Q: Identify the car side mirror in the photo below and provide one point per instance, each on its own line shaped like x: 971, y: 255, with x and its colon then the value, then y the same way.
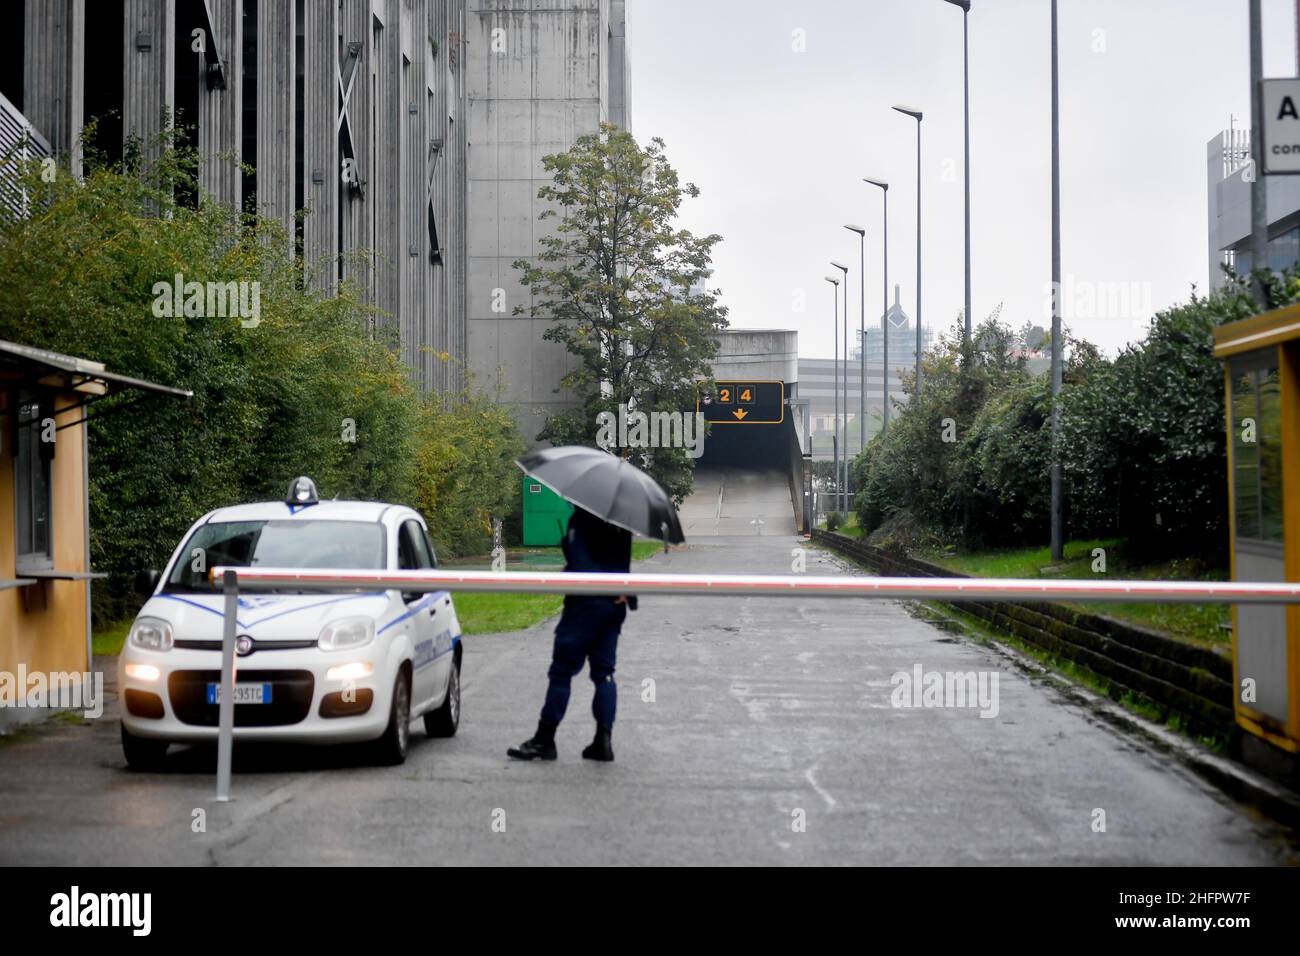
x: 147, y: 581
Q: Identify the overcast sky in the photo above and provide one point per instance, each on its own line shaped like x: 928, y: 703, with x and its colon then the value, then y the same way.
x: 778, y: 141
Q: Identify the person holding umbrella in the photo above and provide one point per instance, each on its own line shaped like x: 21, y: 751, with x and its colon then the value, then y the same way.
x: 611, y: 499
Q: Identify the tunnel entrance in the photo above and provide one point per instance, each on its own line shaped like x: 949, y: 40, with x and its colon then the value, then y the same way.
x: 748, y: 481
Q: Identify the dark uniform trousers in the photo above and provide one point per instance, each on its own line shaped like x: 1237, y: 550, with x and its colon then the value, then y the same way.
x: 587, y: 632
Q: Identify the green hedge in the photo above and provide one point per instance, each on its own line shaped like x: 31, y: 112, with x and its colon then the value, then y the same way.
x: 1142, y: 446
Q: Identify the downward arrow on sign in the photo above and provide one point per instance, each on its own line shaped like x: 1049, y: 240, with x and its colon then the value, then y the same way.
x: 740, y: 413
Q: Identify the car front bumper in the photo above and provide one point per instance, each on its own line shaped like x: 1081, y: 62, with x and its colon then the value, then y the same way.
x: 175, y: 706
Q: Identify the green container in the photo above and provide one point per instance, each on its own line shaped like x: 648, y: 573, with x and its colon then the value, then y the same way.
x: 546, y: 515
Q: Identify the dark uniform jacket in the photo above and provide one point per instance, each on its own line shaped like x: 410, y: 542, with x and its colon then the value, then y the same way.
x: 591, y: 544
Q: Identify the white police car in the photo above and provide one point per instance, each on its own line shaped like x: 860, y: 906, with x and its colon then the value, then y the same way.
x: 310, y: 667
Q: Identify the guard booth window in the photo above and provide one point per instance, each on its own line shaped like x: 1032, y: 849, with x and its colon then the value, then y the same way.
x: 32, y: 487
x: 1257, y: 447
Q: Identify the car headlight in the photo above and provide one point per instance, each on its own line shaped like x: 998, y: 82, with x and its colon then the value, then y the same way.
x: 346, y: 633
x: 151, y: 634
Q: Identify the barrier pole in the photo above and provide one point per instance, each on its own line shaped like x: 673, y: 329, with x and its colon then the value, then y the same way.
x: 757, y: 585
x: 226, y: 715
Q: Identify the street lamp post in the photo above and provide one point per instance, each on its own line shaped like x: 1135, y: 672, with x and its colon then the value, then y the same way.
x: 884, y: 322
x: 916, y: 115
x: 1057, y: 506
x: 965, y: 39
x: 844, y: 458
x: 1258, y: 188
x: 862, y: 333
x: 835, y: 327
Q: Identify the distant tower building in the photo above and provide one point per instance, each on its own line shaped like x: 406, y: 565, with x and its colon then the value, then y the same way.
x: 902, y: 339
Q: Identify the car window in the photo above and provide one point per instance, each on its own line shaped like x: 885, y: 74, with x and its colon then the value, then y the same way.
x: 276, y: 544
x: 414, y: 553
x: 428, y: 543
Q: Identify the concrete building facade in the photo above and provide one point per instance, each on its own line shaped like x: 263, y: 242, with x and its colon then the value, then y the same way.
x: 540, y: 74
x: 817, y: 378
x: 1228, y: 205
x: 351, y: 112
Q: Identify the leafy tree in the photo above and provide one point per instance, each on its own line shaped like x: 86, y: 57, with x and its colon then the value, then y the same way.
x: 625, y: 286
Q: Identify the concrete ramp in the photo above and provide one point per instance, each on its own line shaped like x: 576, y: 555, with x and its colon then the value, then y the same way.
x: 738, y: 501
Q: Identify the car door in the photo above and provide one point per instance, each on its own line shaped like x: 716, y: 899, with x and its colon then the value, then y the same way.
x: 448, y: 624
x: 413, y: 555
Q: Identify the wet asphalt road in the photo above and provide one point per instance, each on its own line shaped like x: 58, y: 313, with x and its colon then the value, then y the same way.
x: 765, y: 713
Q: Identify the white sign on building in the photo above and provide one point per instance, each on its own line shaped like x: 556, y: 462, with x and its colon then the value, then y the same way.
x: 1281, y: 103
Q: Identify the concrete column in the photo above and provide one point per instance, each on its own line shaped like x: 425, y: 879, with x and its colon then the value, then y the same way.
x: 148, y: 70
x: 385, y: 193
x: 322, y: 175
x: 53, y: 74
x: 357, y: 233
x: 276, y: 102
x: 221, y: 113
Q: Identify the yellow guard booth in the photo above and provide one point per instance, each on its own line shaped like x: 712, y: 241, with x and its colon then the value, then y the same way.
x: 1262, y: 382
x: 45, y: 574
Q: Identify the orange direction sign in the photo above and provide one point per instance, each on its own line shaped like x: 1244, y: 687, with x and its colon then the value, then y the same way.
x: 748, y: 402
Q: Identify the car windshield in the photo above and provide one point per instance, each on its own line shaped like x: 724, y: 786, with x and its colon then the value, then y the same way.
x: 277, y: 544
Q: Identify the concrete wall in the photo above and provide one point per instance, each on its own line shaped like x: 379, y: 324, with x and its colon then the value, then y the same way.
x: 817, y: 385
x: 538, y: 73
x: 760, y: 354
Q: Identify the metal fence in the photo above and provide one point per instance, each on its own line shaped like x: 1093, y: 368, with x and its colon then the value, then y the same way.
x: 20, y: 142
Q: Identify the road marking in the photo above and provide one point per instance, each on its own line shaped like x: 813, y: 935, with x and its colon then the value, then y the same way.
x: 831, y: 803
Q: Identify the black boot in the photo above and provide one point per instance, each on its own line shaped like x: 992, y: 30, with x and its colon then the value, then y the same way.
x: 541, y: 746
x: 602, y: 748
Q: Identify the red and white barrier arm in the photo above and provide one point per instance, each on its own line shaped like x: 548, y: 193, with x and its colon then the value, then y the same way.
x: 761, y: 585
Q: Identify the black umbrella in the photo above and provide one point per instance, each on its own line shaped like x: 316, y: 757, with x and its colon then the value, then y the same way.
x: 608, y: 487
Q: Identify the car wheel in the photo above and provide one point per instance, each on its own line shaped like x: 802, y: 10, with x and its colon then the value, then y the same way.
x: 444, y: 721
x: 391, y: 747
x: 143, y: 753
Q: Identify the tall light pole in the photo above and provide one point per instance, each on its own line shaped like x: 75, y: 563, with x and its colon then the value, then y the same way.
x: 844, y: 458
x: 916, y: 115
x: 835, y: 422
x: 1057, y: 508
x: 965, y: 39
x: 862, y: 333
x: 1258, y: 189
x: 884, y: 289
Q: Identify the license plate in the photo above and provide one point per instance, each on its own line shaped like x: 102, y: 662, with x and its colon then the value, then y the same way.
x: 244, y: 693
